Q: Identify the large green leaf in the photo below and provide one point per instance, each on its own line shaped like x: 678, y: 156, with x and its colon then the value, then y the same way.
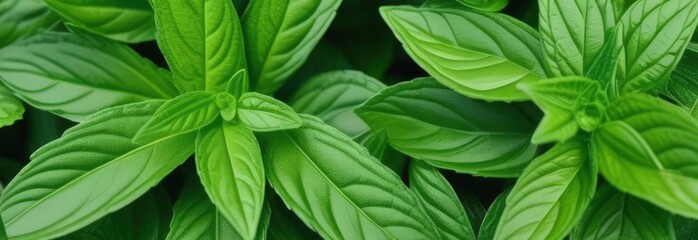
x: 493, y: 216
x: 201, y: 41
x: 616, y: 215
x: 440, y: 201
x: 229, y: 164
x: 75, y: 75
x: 185, y: 113
x: 573, y: 33
x: 683, y: 82
x: 263, y: 113
x: 551, y: 194
x: 92, y: 170
x: 480, y: 55
x: 430, y: 122
x: 125, y: 20
x: 19, y: 18
x: 649, y: 150
x: 335, y: 186
x: 652, y: 36
x: 146, y: 218
x: 11, y: 108
x: 279, y: 36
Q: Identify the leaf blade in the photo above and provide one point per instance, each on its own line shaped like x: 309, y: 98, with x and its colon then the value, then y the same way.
x: 185, y: 113
x: 263, y: 113
x: 19, y: 18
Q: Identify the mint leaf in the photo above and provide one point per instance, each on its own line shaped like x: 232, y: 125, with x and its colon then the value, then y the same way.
x: 493, y: 216
x: 201, y: 41
x: 440, y: 201
x: 91, y: 171
x: 430, y: 122
x: 279, y: 36
x: 19, y: 18
x: 195, y: 217
x: 227, y: 104
x: 75, y: 75
x: 239, y: 83
x: 652, y: 36
x: 682, y: 86
x: 185, y: 113
x: 616, y: 215
x: 333, y: 200
x: 480, y: 55
x: 551, y: 194
x: 648, y: 150
x: 573, y: 33
x: 229, y: 164
x: 125, y: 20
x: 262, y: 113
x: 11, y: 108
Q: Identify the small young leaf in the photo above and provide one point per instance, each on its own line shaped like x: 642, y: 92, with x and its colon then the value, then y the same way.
x: 228, y: 105
x: 551, y: 194
x: 652, y: 36
x: 279, y: 36
x: 335, y: 186
x: 262, y: 113
x: 648, y: 149
x: 480, y: 55
x: 440, y: 201
x: 430, y: 122
x: 493, y: 216
x: 573, y: 33
x: 239, y: 83
x: 616, y: 215
x: 183, y: 114
x: 683, y: 84
x: 229, y: 164
x: 11, y: 108
x: 91, y: 171
x: 201, y: 41
x: 75, y: 75
x: 124, y: 20
x: 195, y: 217
x: 19, y: 18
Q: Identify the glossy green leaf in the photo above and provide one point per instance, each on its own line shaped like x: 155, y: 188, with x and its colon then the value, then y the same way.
x: 480, y: 55
x: 201, y: 41
x: 279, y: 36
x: 685, y: 228
x: 75, y: 75
x: 559, y: 99
x: 485, y: 5
x: 263, y: 113
x: 601, y: 70
x: 19, y: 18
x: 91, y: 171
x: 124, y: 20
x: 493, y: 216
x: 146, y: 218
x: 440, y: 201
x: 309, y: 168
x: 239, y: 83
x: 683, y: 82
x: 649, y: 150
x: 183, y: 114
x: 228, y: 105
x: 616, y: 215
x: 285, y: 225
x: 573, y: 33
x: 229, y: 164
x: 652, y: 36
x: 195, y: 217
x: 430, y: 122
x: 11, y: 108
x: 551, y: 195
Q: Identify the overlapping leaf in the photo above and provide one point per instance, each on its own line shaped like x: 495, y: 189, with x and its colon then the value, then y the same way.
x: 195, y: 217
x: 19, y: 18
x: 493, y: 216
x: 185, y: 113
x: 683, y: 82
x: 263, y: 113
x: 485, y: 5
x: 11, y: 108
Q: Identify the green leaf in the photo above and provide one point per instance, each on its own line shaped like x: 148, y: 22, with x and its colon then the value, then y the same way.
x: 485, y: 5
x: 125, y: 20
x: 11, y: 108
x: 279, y: 36
x: 648, y: 149
x: 559, y: 98
x: 228, y: 106
x: 551, y: 195
x: 75, y: 75
x: 239, y: 83
x: 616, y: 215
x: 473, y: 207
x: 285, y: 225
x: 683, y: 84
x: 201, y: 41
x: 91, y: 171
x: 573, y: 33
x: 229, y: 164
x: 262, y: 113
x: 146, y: 218
x: 428, y: 121
x: 480, y: 55
x: 686, y: 229
x: 183, y: 114
x: 308, y: 167
x: 3, y: 234
x: 440, y: 201
x: 195, y: 217
x: 19, y: 18
x: 652, y: 36
x: 493, y: 216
